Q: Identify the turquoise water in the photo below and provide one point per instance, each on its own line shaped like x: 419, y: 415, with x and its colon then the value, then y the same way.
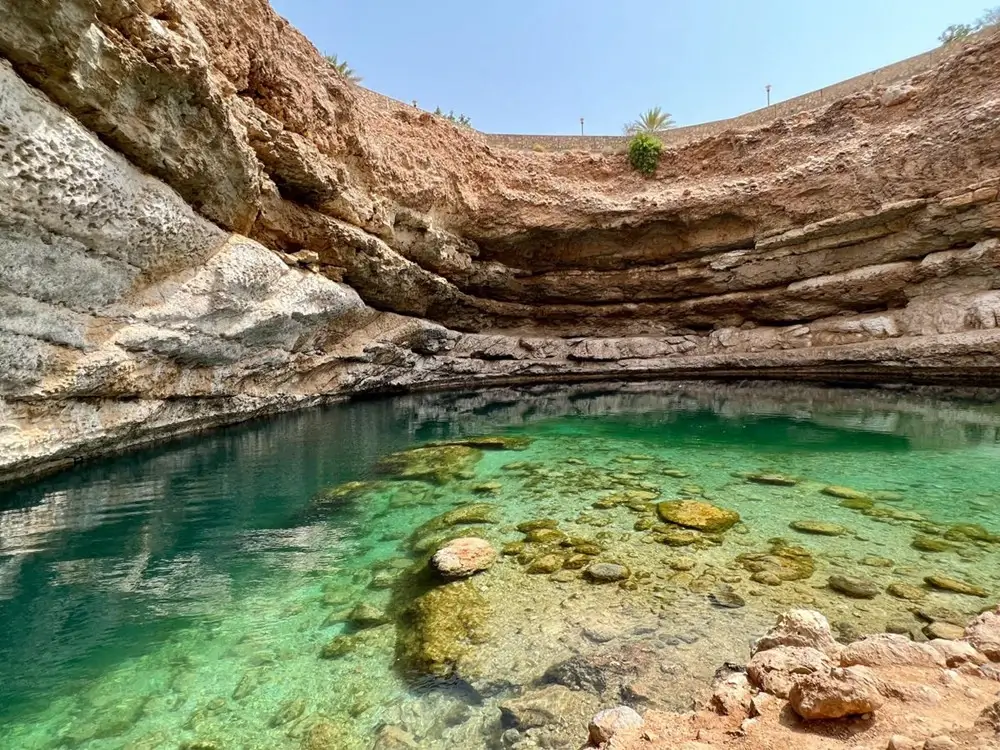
x: 192, y: 595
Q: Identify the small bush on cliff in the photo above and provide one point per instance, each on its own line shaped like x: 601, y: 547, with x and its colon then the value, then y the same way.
x: 644, y: 153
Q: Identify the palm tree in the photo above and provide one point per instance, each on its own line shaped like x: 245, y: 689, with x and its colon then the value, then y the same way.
x: 654, y: 120
x: 343, y: 68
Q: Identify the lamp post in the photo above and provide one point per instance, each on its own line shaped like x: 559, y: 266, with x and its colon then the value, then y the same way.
x: 581, y: 126
x: 767, y: 88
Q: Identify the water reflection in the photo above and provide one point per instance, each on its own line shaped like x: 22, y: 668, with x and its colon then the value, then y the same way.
x: 125, y: 550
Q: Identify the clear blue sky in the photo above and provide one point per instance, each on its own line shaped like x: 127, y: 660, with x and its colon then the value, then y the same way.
x: 537, y: 66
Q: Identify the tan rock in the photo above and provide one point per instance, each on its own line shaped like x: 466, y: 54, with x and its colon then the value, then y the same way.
x: 840, y: 692
x: 610, y: 721
x: 957, y: 652
x: 801, y: 628
x: 902, y: 742
x: 983, y: 633
x: 888, y: 650
x: 732, y: 696
x: 463, y: 557
x: 775, y: 670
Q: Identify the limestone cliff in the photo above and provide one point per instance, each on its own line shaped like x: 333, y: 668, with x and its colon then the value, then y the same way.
x: 200, y: 222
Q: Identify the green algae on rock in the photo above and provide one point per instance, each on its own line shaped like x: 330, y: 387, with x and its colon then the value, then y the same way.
x: 346, y: 492
x: 906, y: 591
x: 541, y: 523
x: 439, y: 628
x: 931, y: 544
x: 438, y: 465
x: 954, y: 585
x: 821, y: 528
x: 698, y: 515
x: 965, y: 532
x: 487, y: 442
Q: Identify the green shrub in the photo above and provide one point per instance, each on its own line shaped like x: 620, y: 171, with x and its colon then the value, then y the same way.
x: 644, y: 153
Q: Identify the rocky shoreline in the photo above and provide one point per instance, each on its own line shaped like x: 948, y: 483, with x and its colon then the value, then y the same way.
x: 803, y: 689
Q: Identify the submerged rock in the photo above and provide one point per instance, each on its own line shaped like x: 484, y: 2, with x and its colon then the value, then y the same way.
x: 438, y: 629
x: 774, y: 480
x: 857, y: 503
x: 346, y: 492
x: 545, y: 536
x: 541, y: 523
x: 906, y: 591
x: 607, y: 572
x: 287, y: 712
x: 549, y: 563
x: 965, y: 532
x: 438, y: 465
x: 338, y: 646
x: 931, y: 544
x: 547, y: 706
x: 487, y: 442
x: 954, y: 585
x: 366, y: 615
x: 697, y: 515
x: 857, y: 588
x: 822, y: 528
x: 845, y: 493
x: 464, y: 556
x: 784, y: 562
x: 725, y: 596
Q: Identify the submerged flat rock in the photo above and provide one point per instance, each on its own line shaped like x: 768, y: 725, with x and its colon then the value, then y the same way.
x: 696, y: 514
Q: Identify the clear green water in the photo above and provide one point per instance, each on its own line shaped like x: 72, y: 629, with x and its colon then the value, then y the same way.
x: 182, y: 596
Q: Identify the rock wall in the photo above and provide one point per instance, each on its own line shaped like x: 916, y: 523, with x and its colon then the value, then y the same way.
x: 201, y: 222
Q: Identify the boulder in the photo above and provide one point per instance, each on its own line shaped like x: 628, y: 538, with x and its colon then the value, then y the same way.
x: 775, y: 670
x: 889, y: 650
x: 943, y: 630
x: 463, y: 557
x: 957, y: 653
x: 983, y: 634
x: 954, y: 585
x: 610, y: 721
x: 440, y: 627
x: 732, y: 696
x: 696, y: 514
x: 801, y: 628
x: 841, y: 692
x: 856, y: 588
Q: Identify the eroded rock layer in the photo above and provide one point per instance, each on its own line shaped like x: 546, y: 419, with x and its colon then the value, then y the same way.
x: 200, y: 222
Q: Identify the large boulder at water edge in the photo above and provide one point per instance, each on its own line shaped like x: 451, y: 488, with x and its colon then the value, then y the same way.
x: 803, y: 628
x: 835, y: 694
x: 439, y: 628
x: 698, y: 515
x: 984, y: 634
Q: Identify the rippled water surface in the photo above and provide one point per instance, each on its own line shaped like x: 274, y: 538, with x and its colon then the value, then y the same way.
x: 205, y: 594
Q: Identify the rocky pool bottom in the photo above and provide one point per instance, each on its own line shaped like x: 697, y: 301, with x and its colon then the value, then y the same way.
x: 269, y: 586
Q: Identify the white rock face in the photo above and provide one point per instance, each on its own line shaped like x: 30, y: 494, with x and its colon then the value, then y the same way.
x: 608, y: 722
x: 776, y: 669
x: 889, y: 650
